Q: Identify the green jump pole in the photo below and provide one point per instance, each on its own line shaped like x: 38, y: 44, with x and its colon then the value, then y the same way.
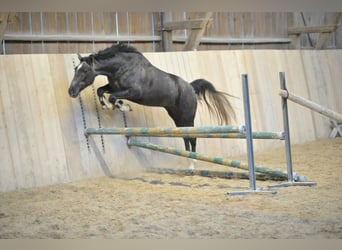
x: 218, y: 160
x: 213, y: 174
x: 159, y: 133
x: 143, y: 131
x: 256, y: 135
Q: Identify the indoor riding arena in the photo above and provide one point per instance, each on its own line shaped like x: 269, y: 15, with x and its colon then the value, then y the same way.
x: 267, y: 180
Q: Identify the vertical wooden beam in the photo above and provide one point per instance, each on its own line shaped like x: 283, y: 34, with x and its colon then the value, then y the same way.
x: 166, y: 34
x: 196, y: 34
x: 3, y: 25
x: 156, y: 20
x: 295, y: 43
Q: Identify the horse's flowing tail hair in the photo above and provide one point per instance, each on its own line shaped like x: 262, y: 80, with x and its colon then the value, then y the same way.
x: 217, y: 101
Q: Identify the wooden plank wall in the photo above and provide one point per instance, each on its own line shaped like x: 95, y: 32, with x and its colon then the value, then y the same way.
x: 82, y: 23
x: 41, y: 127
x: 230, y: 25
x: 301, y: 19
x: 225, y: 25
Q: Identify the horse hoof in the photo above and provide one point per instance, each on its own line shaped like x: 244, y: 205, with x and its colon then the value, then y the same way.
x: 108, y: 107
x: 191, y: 167
x: 192, y: 164
x: 125, y: 108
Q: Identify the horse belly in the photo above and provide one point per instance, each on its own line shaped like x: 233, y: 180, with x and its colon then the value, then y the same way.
x: 159, y: 97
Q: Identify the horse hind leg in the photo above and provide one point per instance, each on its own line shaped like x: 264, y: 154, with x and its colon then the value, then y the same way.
x: 193, y: 149
x: 190, y: 145
x: 193, y: 144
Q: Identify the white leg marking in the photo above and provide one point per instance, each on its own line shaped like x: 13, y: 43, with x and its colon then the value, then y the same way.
x: 192, y: 164
x: 122, y: 106
x: 125, y: 107
x: 108, y: 105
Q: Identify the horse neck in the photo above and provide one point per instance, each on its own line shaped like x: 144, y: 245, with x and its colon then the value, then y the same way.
x: 118, y: 65
x: 105, y: 68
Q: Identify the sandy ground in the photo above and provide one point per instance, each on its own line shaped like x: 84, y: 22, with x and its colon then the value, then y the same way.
x: 169, y: 206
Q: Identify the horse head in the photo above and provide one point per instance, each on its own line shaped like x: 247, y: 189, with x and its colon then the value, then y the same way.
x: 84, y: 76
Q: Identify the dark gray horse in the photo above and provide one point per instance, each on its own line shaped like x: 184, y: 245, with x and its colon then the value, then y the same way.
x: 132, y: 77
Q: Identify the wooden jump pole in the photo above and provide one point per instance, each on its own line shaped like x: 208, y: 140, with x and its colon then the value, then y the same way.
x: 159, y: 132
x: 311, y: 105
x: 213, y: 174
x: 218, y: 160
x: 256, y: 135
x: 167, y: 132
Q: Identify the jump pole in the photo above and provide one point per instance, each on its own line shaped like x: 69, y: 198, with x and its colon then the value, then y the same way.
x: 291, y: 177
x: 273, y: 174
x: 167, y: 132
x: 211, y: 173
x: 311, y: 105
x: 218, y: 132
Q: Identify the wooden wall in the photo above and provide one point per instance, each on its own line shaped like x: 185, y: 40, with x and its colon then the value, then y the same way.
x: 239, y: 29
x: 41, y: 127
x: 308, y: 40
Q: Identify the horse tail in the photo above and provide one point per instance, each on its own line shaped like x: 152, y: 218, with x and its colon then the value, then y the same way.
x: 217, y: 101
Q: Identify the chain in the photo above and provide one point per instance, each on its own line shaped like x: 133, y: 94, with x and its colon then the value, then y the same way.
x: 84, y: 120
x: 124, y: 118
x: 125, y: 122
x: 98, y: 117
x: 82, y: 112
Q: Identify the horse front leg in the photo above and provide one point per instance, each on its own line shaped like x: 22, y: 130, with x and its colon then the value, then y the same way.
x: 119, y: 103
x: 100, y: 93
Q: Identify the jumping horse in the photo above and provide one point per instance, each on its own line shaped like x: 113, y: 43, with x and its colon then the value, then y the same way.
x: 132, y: 77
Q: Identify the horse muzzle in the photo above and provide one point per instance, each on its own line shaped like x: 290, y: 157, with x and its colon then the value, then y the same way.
x: 73, y: 92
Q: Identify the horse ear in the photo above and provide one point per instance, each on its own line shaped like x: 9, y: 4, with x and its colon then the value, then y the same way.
x: 79, y: 56
x: 92, y: 60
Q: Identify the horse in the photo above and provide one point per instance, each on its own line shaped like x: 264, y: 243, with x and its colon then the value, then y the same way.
x: 132, y: 77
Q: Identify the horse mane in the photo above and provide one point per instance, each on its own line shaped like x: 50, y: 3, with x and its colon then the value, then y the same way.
x: 113, y: 50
